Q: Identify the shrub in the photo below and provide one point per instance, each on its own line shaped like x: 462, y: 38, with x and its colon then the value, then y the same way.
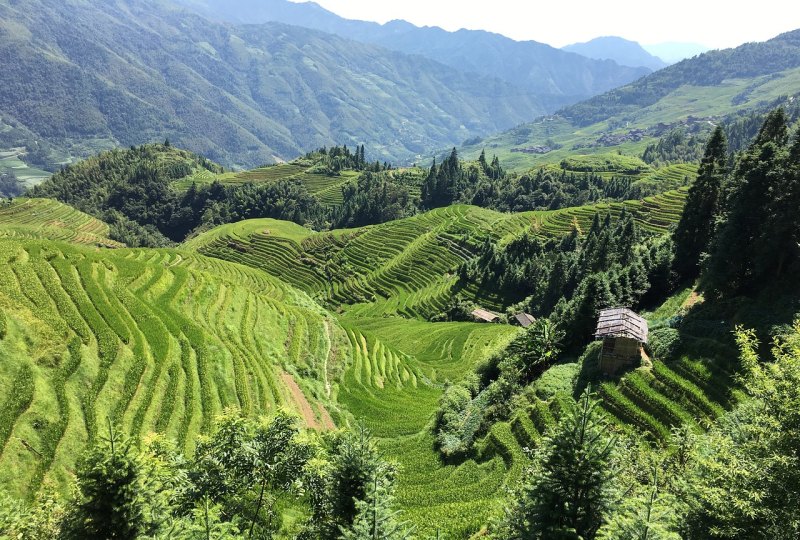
x: 558, y: 379
x: 664, y: 343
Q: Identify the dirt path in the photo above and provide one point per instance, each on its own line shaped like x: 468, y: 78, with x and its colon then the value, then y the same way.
x: 693, y: 299
x: 304, y: 406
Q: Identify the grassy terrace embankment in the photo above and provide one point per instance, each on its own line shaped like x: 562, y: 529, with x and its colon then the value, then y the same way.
x: 403, y: 267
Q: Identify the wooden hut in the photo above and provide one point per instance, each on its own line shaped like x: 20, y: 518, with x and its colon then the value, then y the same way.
x: 525, y: 319
x: 624, y: 334
x: 482, y: 315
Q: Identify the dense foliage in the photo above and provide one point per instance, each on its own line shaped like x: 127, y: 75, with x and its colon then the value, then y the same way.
x: 613, y: 263
x: 696, y: 227
x: 238, y: 483
x: 10, y: 186
x: 132, y: 190
x: 758, y: 238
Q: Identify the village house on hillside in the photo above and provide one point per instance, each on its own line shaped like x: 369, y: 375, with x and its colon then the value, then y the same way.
x: 624, y: 334
x: 482, y: 315
x: 525, y: 319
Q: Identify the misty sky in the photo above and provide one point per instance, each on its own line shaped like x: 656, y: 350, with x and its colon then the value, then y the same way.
x: 713, y: 23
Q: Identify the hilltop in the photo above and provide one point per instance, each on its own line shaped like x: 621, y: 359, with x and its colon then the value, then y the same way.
x: 683, y: 101
x: 78, y: 79
x: 622, y: 51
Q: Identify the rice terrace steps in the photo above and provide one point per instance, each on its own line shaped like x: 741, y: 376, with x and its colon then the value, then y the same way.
x: 163, y: 340
x: 403, y: 267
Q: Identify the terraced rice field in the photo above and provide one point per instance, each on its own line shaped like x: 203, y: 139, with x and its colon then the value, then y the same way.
x: 164, y: 340
x: 393, y: 387
x: 151, y: 340
x: 404, y: 267
x: 45, y: 218
x: 328, y: 189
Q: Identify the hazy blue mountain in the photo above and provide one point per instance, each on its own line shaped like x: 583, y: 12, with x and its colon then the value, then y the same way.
x: 88, y: 74
x: 557, y: 77
x: 674, y: 52
x: 622, y: 51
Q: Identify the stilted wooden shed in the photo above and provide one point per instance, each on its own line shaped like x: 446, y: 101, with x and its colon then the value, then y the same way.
x: 624, y: 334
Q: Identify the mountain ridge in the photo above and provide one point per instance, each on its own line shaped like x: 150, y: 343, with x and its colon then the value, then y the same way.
x: 624, y: 52
x: 103, y: 74
x: 555, y: 76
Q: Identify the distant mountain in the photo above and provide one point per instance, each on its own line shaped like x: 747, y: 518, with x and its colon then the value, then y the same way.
x: 707, y: 70
x: 82, y: 75
x: 622, y: 51
x: 556, y: 77
x: 674, y: 52
x: 673, y: 109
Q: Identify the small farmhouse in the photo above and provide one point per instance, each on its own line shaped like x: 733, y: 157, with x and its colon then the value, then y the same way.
x: 525, y: 319
x: 482, y: 315
x: 624, y: 334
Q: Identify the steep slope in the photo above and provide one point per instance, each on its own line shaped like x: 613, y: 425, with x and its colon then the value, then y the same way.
x: 88, y: 75
x: 693, y: 96
x: 152, y: 341
x: 556, y: 77
x: 622, y: 51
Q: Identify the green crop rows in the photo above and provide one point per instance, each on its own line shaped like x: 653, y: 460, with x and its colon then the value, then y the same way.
x: 152, y: 340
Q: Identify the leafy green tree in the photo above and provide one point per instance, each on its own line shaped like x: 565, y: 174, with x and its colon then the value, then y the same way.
x: 537, y: 348
x: 696, y: 227
x: 746, y: 472
x: 567, y: 492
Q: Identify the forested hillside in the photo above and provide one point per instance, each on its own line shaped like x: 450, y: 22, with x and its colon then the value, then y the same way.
x: 84, y: 76
x: 555, y: 77
x: 732, y: 87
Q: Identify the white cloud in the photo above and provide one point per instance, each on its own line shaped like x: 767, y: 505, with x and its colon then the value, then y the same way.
x: 714, y: 23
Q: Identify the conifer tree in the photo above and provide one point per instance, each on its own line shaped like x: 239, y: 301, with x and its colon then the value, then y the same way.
x: 752, y: 239
x: 696, y: 227
x: 567, y: 492
x: 111, y: 498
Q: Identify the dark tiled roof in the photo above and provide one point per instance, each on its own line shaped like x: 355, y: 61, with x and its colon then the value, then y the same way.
x: 525, y: 320
x: 621, y: 322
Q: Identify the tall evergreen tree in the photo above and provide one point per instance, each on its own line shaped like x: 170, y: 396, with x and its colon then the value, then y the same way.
x: 567, y: 493
x: 696, y: 227
x: 752, y: 239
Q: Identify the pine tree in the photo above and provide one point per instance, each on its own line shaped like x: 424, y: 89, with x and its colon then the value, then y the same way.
x: 111, y: 495
x: 744, y: 250
x: 567, y: 492
x: 376, y: 519
x: 696, y: 227
x: 646, y: 516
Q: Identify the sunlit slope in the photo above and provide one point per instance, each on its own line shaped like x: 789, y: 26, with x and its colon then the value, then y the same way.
x: 150, y: 340
x: 408, y: 266
x: 399, y: 371
x: 46, y: 218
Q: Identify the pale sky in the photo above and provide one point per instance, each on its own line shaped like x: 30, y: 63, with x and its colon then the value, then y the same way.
x: 714, y: 23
